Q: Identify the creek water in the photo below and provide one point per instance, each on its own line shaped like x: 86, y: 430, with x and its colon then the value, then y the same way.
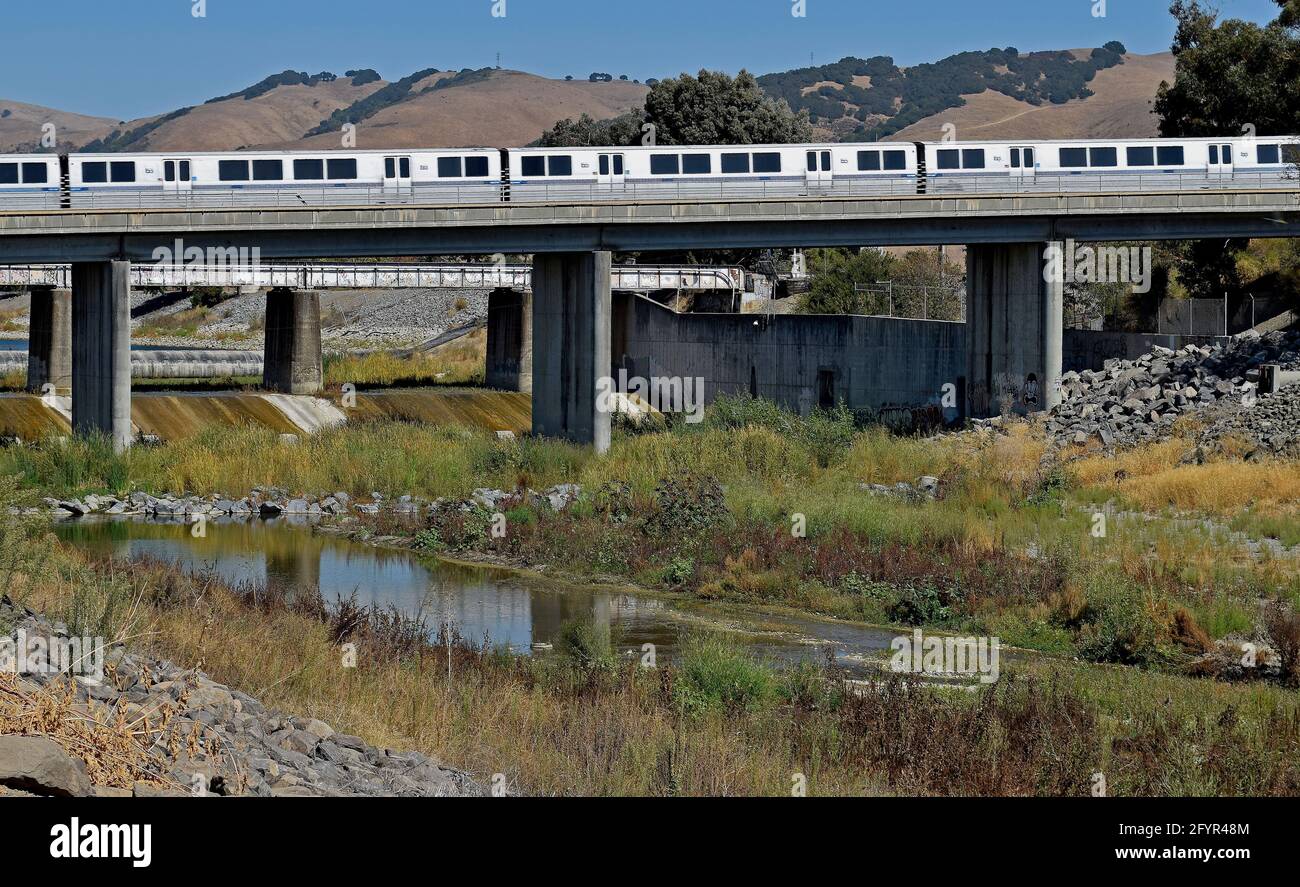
x: 485, y: 604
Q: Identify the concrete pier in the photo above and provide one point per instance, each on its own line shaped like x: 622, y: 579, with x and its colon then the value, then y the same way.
x: 293, y: 348
x: 510, y: 340
x: 101, y: 350
x: 571, y: 346
x: 49, y: 350
x: 1014, y: 330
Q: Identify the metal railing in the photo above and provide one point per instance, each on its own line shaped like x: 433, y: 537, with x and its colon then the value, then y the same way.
x: 636, y: 278
x: 679, y: 191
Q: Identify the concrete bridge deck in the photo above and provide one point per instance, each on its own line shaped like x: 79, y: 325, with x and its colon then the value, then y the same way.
x: 293, y: 232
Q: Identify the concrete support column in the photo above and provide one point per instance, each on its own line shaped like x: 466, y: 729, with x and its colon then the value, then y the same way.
x: 49, y: 345
x: 101, y: 350
x: 1014, y: 330
x: 571, y: 346
x: 510, y: 340
x: 292, y: 363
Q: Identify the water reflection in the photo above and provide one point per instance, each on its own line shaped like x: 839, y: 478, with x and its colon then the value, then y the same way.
x: 484, y: 604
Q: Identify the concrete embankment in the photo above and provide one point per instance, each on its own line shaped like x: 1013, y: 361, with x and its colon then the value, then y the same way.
x: 169, y: 416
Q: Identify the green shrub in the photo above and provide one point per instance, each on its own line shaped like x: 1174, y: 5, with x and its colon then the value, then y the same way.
x: 919, y: 605
x: 716, y: 675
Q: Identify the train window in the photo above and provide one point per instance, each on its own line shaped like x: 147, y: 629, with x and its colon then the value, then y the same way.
x: 342, y: 169
x: 35, y: 173
x: 618, y: 164
x: 735, y: 163
x: 533, y: 166
x: 1266, y: 154
x: 868, y: 161
x: 122, y: 170
x: 1144, y: 156
x: 812, y: 161
x: 1170, y: 155
x: 448, y: 168
x: 767, y: 162
x: 895, y: 160
x: 8, y: 174
x: 1015, y: 158
x: 1074, y: 158
x: 390, y: 167
x: 169, y: 171
x: 1214, y: 154
x: 1226, y: 152
x: 604, y: 164
x: 185, y: 171
x: 1103, y: 157
x: 826, y: 161
x: 559, y: 165
x: 972, y: 158
x: 94, y: 172
x: 404, y: 167
x: 697, y: 164
x: 664, y: 165
x: 309, y: 170
x: 268, y: 170
x: 950, y: 158
x: 232, y: 170
x: 475, y: 167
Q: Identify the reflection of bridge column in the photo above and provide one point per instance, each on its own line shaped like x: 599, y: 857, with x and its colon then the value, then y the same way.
x: 510, y: 340
x: 101, y: 350
x: 292, y: 363
x: 49, y: 346
x: 1014, y: 330
x: 571, y: 333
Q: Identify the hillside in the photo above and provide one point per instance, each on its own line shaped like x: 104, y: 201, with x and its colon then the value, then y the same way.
x: 503, y: 109
x: 20, y: 126
x: 1120, y: 108
x: 995, y: 93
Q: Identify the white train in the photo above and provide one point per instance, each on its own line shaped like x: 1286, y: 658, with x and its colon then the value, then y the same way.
x: 491, y: 175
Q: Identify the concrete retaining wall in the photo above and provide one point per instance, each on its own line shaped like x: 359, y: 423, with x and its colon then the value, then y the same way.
x: 874, y: 364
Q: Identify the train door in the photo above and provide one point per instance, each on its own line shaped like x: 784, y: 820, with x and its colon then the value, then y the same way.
x: 611, y: 172
x: 397, y: 176
x: 819, y: 172
x: 1023, y: 161
x: 1220, y: 162
x: 177, y: 177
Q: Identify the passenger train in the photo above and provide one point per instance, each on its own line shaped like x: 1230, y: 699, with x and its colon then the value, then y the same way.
x: 490, y: 175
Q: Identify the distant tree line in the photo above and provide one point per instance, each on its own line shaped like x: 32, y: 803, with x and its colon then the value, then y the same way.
x: 884, y: 99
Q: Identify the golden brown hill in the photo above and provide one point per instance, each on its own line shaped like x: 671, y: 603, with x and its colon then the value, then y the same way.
x: 283, y: 114
x: 20, y: 128
x: 1120, y: 108
x: 507, y: 109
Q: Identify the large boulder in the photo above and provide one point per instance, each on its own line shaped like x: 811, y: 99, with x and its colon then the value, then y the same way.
x: 38, y: 765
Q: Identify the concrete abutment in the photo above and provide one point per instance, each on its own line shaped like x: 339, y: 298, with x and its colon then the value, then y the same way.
x: 571, y: 346
x: 101, y: 350
x: 1014, y: 330
x: 49, y: 347
x: 293, y: 362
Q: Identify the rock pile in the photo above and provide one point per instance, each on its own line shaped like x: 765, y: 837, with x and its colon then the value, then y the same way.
x: 270, y: 503
x: 149, y: 727
x: 1138, y: 401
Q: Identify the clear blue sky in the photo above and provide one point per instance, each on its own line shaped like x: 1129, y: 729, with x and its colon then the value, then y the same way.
x: 130, y: 58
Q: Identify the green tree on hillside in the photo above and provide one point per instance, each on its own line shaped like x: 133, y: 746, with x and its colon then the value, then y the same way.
x: 711, y: 109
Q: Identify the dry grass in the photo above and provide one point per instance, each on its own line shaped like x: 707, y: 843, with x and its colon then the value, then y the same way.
x: 456, y: 363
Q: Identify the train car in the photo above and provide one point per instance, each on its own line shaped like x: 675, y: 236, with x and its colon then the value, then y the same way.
x: 1107, y: 165
x: 30, y: 181
x: 711, y: 172
x: 296, y: 178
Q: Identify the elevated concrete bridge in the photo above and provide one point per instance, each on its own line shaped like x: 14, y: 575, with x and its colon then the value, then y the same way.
x: 1014, y: 328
